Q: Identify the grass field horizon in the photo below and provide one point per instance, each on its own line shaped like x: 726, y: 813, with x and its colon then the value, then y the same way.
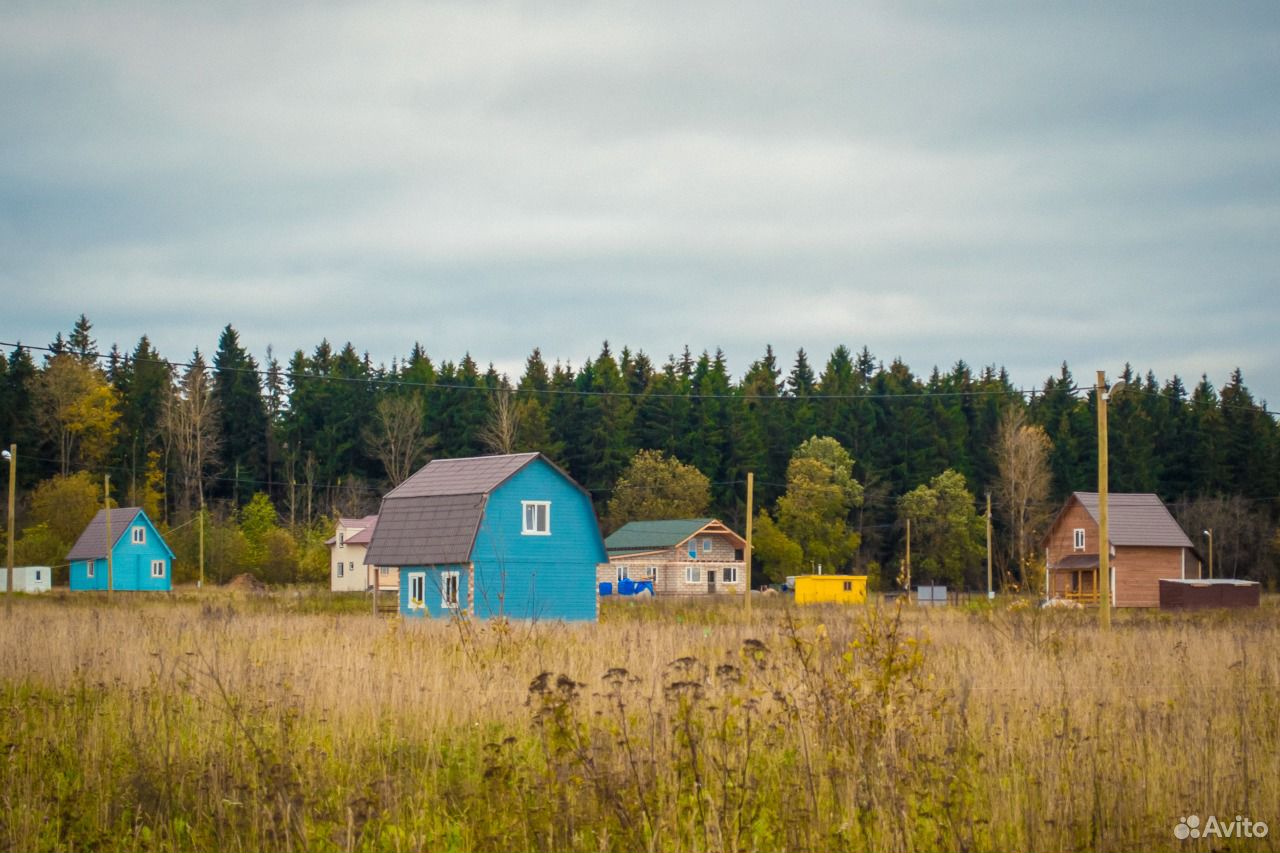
x: 218, y: 721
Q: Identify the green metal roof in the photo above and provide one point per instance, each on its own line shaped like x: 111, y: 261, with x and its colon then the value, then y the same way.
x: 654, y: 535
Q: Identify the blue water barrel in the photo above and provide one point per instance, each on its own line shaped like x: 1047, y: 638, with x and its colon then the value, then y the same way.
x: 606, y: 588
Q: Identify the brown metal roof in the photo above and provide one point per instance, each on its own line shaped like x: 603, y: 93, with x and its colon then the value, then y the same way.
x: 1076, y: 561
x: 1136, y: 519
x: 92, y: 543
x: 426, y: 530
x: 473, y: 475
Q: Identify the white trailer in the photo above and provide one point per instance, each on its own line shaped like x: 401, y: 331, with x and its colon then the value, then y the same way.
x: 27, y: 579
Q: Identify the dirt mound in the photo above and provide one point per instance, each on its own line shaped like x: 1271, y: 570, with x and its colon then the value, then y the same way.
x: 246, y: 583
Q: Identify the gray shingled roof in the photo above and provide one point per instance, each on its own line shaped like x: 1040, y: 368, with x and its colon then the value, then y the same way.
x: 1136, y: 519
x: 426, y: 531
x: 92, y: 543
x: 473, y: 475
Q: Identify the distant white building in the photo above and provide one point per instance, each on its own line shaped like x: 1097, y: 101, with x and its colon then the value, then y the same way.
x: 348, y: 571
x: 27, y: 579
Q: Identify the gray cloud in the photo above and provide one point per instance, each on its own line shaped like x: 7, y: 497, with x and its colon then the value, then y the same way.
x: 1000, y: 184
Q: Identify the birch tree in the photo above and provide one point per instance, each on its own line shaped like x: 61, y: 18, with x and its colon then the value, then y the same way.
x: 189, y: 423
x: 1023, y: 479
x: 396, y: 436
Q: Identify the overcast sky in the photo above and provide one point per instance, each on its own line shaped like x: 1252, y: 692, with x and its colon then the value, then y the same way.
x: 999, y: 183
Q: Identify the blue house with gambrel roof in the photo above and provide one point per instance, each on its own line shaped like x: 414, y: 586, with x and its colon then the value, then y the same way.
x: 140, y: 558
x: 509, y: 535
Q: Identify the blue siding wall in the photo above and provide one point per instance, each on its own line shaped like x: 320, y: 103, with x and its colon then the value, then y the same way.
x: 131, y: 564
x: 538, y: 577
x: 433, y: 587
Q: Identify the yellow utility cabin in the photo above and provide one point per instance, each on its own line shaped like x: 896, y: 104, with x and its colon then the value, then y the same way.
x: 831, y: 589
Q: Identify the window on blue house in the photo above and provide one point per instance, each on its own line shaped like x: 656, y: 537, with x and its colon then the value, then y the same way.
x: 417, y: 591
x: 448, y: 589
x: 88, y: 568
x: 537, y: 518
x: 157, y: 568
x: 139, y: 536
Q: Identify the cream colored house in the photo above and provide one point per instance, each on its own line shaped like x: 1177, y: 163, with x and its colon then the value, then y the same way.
x: 696, y: 556
x: 348, y: 571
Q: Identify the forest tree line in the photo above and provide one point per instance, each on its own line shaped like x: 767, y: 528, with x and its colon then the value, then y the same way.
x: 271, y: 452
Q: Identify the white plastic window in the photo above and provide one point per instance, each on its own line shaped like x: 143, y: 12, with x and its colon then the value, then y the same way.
x: 537, y: 518
x: 157, y: 568
x: 730, y: 574
x: 1079, y: 538
x: 139, y: 536
x: 89, y: 567
x: 692, y: 574
x: 417, y: 591
x: 448, y: 589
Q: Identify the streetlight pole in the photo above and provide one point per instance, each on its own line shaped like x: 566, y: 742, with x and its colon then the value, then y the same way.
x: 12, y: 455
x: 1208, y: 532
x: 1104, y: 574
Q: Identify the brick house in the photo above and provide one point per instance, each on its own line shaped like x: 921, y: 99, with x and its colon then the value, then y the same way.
x: 1146, y: 545
x: 696, y: 556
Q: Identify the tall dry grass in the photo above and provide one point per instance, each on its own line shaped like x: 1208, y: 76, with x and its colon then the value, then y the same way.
x: 244, y: 724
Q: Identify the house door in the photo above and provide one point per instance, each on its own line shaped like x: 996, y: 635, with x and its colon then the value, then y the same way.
x: 711, y: 580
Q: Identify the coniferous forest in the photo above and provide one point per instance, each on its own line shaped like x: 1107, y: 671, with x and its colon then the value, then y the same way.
x: 274, y: 449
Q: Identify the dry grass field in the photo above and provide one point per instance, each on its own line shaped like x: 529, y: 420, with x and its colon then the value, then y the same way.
x: 265, y: 723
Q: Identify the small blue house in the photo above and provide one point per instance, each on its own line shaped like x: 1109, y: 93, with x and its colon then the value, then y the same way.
x: 140, y: 558
x: 491, y: 536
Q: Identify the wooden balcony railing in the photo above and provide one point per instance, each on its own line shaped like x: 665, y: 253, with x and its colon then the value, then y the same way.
x: 1085, y: 597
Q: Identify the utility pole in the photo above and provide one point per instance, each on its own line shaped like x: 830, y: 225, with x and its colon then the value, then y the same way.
x: 1104, y: 573
x: 908, y: 560
x: 106, y: 500
x: 13, y: 472
x: 200, y: 584
x: 746, y: 554
x: 990, y: 591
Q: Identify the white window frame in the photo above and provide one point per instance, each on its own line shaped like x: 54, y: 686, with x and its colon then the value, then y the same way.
x: 623, y: 572
x: 1077, y: 540
x: 729, y: 574
x: 139, y: 535
x: 534, y: 529
x: 342, y: 539
x: 693, y: 574
x: 340, y: 569
x: 652, y: 572
x: 707, y: 545
x: 160, y: 565
x: 89, y: 567
x: 383, y: 570
x: 448, y: 579
x: 418, y: 584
